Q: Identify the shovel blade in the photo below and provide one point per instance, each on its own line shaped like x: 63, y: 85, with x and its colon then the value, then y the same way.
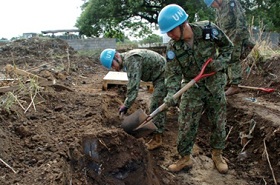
x: 144, y: 130
x: 134, y: 120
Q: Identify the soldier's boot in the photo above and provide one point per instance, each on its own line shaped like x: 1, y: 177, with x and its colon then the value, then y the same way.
x: 184, y: 162
x: 219, y: 162
x: 233, y: 89
x: 155, y: 142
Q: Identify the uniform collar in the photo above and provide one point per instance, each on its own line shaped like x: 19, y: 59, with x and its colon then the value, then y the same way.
x: 197, y: 31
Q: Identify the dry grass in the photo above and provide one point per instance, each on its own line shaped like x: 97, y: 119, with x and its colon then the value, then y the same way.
x: 24, y: 96
x: 262, y: 51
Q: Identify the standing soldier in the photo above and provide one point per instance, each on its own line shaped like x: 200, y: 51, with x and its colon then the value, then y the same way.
x: 145, y: 65
x: 190, y: 46
x: 230, y: 17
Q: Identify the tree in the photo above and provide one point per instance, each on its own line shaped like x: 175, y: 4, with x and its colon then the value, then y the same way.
x: 112, y: 18
x: 263, y: 12
x: 115, y: 18
x: 151, y: 39
x: 4, y: 39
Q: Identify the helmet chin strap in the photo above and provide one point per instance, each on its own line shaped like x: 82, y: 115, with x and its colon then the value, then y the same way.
x: 182, y: 31
x: 119, y: 62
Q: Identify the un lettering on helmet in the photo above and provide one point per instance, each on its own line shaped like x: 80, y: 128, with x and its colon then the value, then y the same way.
x: 109, y: 55
x: 178, y: 15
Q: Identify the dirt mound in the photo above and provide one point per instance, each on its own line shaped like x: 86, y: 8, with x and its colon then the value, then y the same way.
x: 72, y: 135
x: 35, y: 48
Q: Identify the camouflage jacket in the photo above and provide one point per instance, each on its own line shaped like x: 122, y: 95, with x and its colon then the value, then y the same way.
x: 230, y: 17
x: 186, y: 62
x: 141, y: 64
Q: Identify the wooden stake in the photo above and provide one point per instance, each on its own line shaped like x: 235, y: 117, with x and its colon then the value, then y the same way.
x: 228, y: 132
x: 267, y: 157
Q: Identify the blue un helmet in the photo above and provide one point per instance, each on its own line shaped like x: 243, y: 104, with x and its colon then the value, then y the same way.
x: 170, y: 17
x: 106, y: 57
x: 208, y: 2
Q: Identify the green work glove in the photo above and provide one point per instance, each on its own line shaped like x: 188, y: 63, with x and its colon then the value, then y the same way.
x: 170, y: 101
x: 216, y: 66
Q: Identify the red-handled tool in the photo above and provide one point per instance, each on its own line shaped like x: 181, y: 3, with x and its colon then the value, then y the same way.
x: 268, y: 90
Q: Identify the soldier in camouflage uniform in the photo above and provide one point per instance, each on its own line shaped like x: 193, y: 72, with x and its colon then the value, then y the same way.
x: 230, y: 17
x: 145, y: 65
x: 190, y: 46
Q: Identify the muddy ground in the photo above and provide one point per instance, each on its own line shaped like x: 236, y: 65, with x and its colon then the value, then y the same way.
x: 69, y: 132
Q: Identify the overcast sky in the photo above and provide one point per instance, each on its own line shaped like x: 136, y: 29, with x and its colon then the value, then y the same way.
x: 24, y: 16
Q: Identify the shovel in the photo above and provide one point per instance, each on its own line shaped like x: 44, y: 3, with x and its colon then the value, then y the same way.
x: 139, y: 124
x: 268, y: 90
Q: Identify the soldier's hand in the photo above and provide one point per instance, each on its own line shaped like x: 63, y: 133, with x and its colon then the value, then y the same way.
x: 170, y: 101
x: 123, y: 110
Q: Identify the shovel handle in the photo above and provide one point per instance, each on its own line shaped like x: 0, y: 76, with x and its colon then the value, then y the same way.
x: 201, y: 74
x: 269, y: 90
x: 179, y: 93
x: 196, y: 79
x: 183, y: 89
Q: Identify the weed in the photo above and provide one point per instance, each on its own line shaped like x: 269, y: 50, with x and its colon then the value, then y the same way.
x: 261, y: 51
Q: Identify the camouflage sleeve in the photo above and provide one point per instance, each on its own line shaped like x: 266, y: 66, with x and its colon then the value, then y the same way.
x: 240, y: 28
x: 241, y: 31
x: 173, y: 74
x: 224, y: 50
x: 134, y: 71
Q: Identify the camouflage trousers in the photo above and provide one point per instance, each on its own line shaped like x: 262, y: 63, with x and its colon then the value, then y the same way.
x: 193, y: 103
x: 158, y: 95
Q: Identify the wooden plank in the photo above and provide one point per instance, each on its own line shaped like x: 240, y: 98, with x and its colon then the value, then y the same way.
x: 120, y: 78
x: 116, y: 76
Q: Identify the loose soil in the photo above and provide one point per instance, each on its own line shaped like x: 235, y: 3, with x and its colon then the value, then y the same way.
x: 70, y: 133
